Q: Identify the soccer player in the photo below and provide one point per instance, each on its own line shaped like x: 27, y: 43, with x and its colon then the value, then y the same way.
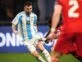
x: 27, y: 29
x: 70, y: 39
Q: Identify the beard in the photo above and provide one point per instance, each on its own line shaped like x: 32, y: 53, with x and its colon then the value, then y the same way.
x: 28, y: 13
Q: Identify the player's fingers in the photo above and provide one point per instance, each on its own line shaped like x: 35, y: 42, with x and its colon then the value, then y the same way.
x: 51, y: 36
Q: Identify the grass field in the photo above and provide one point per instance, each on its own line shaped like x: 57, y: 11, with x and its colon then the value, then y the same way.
x: 26, y: 57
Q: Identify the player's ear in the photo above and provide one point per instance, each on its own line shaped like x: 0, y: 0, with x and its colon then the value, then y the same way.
x: 24, y: 7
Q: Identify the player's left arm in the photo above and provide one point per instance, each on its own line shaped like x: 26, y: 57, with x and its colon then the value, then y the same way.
x: 55, y: 19
x: 35, y: 23
x: 56, y: 16
x: 14, y: 24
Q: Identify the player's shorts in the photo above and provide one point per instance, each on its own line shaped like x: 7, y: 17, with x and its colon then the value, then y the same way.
x: 32, y: 43
x: 70, y: 41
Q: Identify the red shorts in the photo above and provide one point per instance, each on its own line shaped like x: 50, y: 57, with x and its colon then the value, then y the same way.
x: 70, y: 41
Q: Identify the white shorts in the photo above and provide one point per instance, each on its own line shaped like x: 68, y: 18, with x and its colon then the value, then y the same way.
x: 32, y: 43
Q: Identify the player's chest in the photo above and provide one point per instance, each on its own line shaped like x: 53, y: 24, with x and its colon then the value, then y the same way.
x: 29, y: 20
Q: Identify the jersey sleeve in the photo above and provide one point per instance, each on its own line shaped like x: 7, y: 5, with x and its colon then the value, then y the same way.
x: 59, y: 2
x: 16, y: 19
x: 35, y: 20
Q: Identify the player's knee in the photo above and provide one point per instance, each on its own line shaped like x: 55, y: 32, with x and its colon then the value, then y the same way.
x: 40, y: 46
x: 35, y: 53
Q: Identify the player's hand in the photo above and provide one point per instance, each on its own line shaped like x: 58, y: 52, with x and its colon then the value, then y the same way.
x: 15, y: 31
x: 51, y: 36
x: 47, y: 40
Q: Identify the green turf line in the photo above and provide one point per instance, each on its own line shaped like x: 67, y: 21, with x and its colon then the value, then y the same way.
x: 26, y: 57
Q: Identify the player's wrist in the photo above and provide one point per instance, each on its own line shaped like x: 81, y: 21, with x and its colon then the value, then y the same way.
x: 53, y: 29
x: 15, y: 31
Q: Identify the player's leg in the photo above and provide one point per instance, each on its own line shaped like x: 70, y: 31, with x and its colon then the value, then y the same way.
x: 63, y: 46
x: 37, y: 55
x: 54, y: 44
x: 33, y: 51
x: 79, y: 46
x: 55, y: 56
x: 52, y: 49
x: 44, y: 51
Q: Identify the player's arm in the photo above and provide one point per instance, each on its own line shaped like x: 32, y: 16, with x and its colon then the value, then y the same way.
x: 36, y: 28
x: 35, y: 24
x: 55, y: 19
x: 14, y: 29
x: 14, y: 24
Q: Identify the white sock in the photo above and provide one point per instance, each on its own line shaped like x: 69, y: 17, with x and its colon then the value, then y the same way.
x: 41, y: 59
x: 47, y: 55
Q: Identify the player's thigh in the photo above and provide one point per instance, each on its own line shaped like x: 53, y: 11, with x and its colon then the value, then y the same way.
x: 35, y: 39
x: 64, y: 44
x: 54, y: 44
x: 40, y: 45
x: 30, y: 46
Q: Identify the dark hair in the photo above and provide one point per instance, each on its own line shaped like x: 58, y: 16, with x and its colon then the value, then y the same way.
x: 27, y: 3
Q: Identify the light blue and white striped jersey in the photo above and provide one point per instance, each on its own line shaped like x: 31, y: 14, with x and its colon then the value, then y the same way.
x: 26, y: 25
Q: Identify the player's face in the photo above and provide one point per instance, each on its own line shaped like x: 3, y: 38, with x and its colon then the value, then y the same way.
x: 28, y: 9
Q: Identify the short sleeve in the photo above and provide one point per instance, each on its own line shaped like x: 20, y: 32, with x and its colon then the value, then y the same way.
x: 16, y: 19
x: 35, y: 19
x: 58, y: 2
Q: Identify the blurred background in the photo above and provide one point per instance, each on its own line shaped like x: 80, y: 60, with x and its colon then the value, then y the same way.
x: 9, y: 8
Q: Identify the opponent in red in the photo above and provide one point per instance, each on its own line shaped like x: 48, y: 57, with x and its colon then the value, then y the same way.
x: 70, y: 39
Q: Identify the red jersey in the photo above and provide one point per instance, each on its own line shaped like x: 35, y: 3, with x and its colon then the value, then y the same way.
x: 71, y: 10
x: 70, y: 38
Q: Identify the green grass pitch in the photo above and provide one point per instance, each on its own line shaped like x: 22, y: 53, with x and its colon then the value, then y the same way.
x: 26, y: 57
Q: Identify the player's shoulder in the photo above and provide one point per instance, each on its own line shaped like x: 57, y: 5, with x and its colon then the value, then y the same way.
x: 61, y: 1
x: 33, y: 14
x: 21, y: 13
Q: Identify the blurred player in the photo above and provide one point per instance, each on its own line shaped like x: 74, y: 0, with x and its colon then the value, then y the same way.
x: 27, y: 29
x: 70, y: 39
